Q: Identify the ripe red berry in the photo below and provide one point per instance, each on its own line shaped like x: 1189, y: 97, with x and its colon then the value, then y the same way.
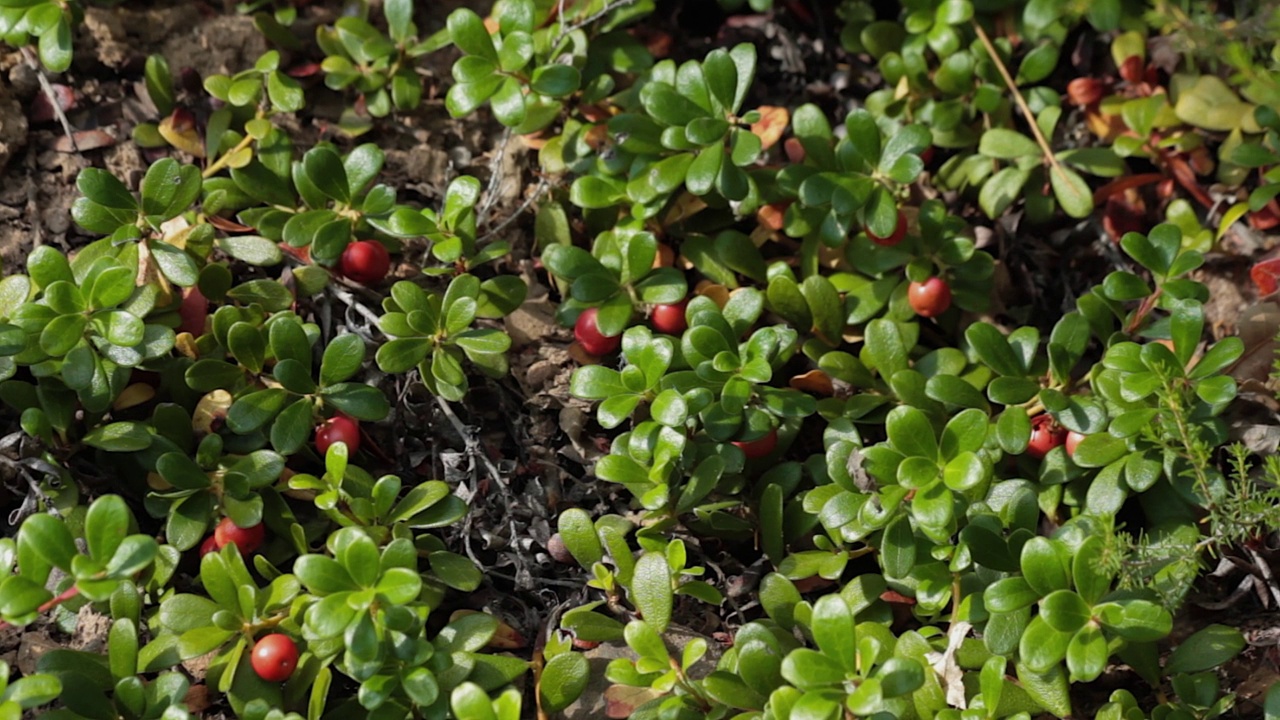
x: 209, y: 545
x: 930, y: 298
x: 758, y: 448
x: 1073, y: 440
x: 246, y: 540
x: 899, y: 232
x: 365, y: 261
x: 274, y: 657
x: 1046, y: 434
x: 193, y: 311
x: 588, y: 335
x: 670, y: 319
x: 338, y: 428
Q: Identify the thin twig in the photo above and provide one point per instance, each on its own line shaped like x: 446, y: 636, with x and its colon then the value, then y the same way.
x: 1265, y: 569
x: 63, y: 597
x: 536, y: 196
x: 1017, y: 95
x: 30, y: 57
x: 495, y: 177
x: 1054, y: 165
x: 473, y: 445
x: 566, y: 29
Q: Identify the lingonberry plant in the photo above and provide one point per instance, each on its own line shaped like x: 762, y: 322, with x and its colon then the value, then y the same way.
x: 843, y: 463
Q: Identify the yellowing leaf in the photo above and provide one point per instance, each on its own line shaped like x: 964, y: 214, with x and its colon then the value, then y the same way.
x: 134, y: 395
x: 179, y: 130
x: 1210, y: 104
x: 773, y: 122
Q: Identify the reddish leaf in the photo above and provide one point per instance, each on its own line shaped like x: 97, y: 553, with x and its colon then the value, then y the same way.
x: 1119, y: 185
x: 773, y: 122
x: 622, y: 700
x: 1085, y: 90
x: 304, y: 70
x: 1265, y: 275
x: 84, y: 140
x: 42, y: 105
x: 228, y: 225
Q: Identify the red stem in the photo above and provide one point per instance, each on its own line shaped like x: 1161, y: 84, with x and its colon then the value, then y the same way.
x: 63, y: 597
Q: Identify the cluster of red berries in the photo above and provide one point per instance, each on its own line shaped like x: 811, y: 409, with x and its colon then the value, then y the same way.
x: 1047, y: 434
x: 667, y: 319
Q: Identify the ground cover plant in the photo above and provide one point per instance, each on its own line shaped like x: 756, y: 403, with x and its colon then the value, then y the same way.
x: 652, y: 359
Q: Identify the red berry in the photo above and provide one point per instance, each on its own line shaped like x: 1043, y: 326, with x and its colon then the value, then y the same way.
x: 670, y: 319
x: 1073, y: 439
x: 758, y: 448
x: 899, y: 232
x: 926, y: 156
x: 274, y: 657
x: 365, y: 261
x: 193, y: 311
x: 209, y: 545
x: 588, y: 335
x: 930, y: 298
x: 1046, y: 435
x: 338, y: 428
x: 246, y: 540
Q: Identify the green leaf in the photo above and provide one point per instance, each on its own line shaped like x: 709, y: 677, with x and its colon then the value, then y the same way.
x: 578, y: 533
x: 105, y: 526
x: 54, y: 46
x: 1136, y: 620
x: 105, y: 189
x: 324, y: 168
x: 46, y: 265
x: 832, y: 625
x: 292, y: 427
x: 360, y: 401
x: 651, y: 591
x: 1042, y: 646
x: 1072, y: 191
x: 48, y: 538
x: 468, y: 32
x: 1091, y: 577
x: 910, y: 433
x: 252, y: 249
x: 1087, y: 654
x: 1065, y: 611
x: 898, y: 549
x: 555, y: 81
x: 1208, y: 648
x: 563, y: 680
x: 1043, y: 566
x: 284, y: 92
x: 323, y: 575
x: 1001, y: 190
x: 1099, y: 450
x: 169, y: 188
x: 1005, y: 144
x: 119, y: 437
x: 251, y: 412
x: 342, y: 359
